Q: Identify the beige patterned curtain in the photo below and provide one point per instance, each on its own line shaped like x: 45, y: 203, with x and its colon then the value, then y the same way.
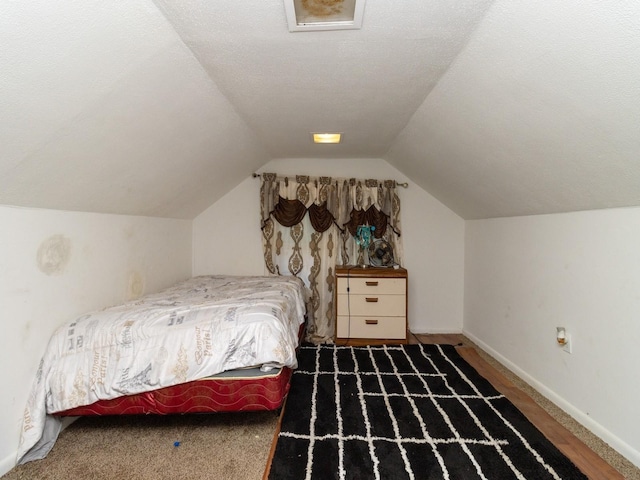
x: 308, y: 227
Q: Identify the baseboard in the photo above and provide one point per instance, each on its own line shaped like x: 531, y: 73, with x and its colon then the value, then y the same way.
x: 439, y: 331
x: 612, y: 440
x: 8, y: 463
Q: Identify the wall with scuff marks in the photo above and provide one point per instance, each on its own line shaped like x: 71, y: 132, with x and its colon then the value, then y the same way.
x: 525, y: 276
x: 56, y: 265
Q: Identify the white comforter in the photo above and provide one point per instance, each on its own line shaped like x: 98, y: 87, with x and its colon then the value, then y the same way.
x: 200, y: 327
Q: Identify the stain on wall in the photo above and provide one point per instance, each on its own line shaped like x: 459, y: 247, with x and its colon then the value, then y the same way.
x: 26, y: 333
x: 54, y: 254
x: 135, y: 288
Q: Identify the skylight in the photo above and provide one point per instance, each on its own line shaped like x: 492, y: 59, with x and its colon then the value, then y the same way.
x: 310, y: 15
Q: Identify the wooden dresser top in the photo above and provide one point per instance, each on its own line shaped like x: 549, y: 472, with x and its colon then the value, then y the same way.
x: 357, y: 271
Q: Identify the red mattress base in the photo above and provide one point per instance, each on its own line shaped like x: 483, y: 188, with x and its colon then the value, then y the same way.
x: 207, y: 395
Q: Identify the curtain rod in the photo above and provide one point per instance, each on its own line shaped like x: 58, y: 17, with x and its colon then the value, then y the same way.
x: 403, y: 185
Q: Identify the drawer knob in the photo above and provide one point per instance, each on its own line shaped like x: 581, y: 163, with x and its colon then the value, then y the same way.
x: 371, y: 299
x: 371, y: 322
x: 372, y: 284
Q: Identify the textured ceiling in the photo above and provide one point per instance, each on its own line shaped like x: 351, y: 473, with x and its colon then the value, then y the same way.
x: 159, y: 108
x: 539, y: 114
x: 366, y: 83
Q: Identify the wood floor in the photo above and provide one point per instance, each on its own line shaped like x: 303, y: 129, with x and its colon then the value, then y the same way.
x: 580, y: 454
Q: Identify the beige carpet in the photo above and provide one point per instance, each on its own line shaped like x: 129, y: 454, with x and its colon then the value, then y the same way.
x: 219, y: 446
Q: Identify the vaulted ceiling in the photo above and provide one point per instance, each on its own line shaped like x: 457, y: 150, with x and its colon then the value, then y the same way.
x: 495, y: 107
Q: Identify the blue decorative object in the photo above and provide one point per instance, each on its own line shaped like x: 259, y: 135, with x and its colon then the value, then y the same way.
x: 363, y: 237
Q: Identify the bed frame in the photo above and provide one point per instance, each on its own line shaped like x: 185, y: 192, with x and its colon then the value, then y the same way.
x: 249, y: 390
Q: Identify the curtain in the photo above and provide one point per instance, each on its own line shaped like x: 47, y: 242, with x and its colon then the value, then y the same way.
x: 308, y: 227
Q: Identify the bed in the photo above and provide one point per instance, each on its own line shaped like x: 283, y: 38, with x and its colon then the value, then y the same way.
x: 208, y: 344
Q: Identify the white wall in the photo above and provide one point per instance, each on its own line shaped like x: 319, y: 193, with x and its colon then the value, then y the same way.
x: 226, y: 236
x: 227, y: 239
x: 56, y: 265
x: 526, y: 275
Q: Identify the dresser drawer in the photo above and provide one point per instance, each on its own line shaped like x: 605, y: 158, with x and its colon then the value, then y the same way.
x: 364, y: 285
x: 378, y: 305
x: 372, y: 327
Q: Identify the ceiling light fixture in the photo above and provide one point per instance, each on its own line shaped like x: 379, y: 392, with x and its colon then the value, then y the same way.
x: 309, y: 15
x: 327, y: 137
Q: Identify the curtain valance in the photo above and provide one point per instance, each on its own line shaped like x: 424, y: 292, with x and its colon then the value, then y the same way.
x: 347, y: 203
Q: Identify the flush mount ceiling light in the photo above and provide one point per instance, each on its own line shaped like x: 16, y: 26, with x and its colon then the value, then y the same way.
x: 309, y: 15
x: 326, y: 137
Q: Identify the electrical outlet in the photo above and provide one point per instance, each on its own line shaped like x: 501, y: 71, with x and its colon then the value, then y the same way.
x: 568, y: 346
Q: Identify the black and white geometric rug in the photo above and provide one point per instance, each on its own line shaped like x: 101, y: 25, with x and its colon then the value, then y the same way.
x: 405, y: 412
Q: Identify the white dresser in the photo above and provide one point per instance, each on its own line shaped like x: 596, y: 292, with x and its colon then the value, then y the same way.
x: 371, y: 305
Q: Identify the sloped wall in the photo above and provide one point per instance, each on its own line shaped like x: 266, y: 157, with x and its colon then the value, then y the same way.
x: 227, y: 238
x: 56, y: 265
x: 524, y: 276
